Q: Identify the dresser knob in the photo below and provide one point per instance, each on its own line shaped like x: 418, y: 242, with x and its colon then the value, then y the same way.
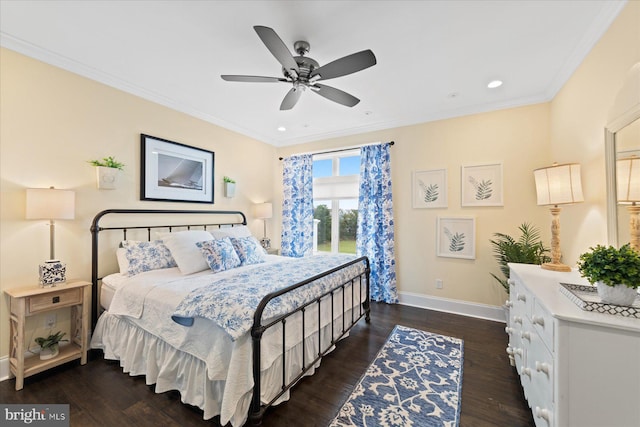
x: 509, y: 351
x: 537, y: 320
x: 517, y: 351
x: 522, y: 297
x: 511, y: 282
x: 542, y: 367
x: 509, y: 330
x: 526, y: 335
x: 542, y: 413
x: 525, y: 371
x: 508, y: 303
x: 517, y: 319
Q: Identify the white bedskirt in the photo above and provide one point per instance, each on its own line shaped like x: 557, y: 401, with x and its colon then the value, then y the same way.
x: 142, y: 353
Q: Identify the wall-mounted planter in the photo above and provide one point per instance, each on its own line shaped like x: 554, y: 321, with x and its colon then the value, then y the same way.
x: 229, y: 189
x: 108, y: 178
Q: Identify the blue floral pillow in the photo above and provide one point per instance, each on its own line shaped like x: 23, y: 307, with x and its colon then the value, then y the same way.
x: 248, y: 249
x: 146, y: 256
x: 219, y: 254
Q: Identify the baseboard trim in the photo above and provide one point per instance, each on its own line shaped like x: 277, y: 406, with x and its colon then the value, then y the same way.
x: 463, y: 308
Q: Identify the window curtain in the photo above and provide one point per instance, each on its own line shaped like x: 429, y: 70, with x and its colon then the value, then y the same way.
x: 375, y: 236
x: 297, y: 206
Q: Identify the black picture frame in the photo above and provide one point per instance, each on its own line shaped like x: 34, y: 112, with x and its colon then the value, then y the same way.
x: 174, y: 172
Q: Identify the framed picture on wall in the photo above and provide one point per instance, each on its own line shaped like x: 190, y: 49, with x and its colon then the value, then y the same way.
x: 482, y: 185
x: 456, y: 237
x: 430, y: 189
x: 175, y: 172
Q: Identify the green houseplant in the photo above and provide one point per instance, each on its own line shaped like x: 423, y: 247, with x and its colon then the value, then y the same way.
x: 107, y: 172
x: 527, y: 249
x: 615, y: 271
x: 229, y: 186
x: 49, y: 345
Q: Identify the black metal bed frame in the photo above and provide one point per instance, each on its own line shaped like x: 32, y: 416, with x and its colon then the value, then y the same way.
x: 257, y: 409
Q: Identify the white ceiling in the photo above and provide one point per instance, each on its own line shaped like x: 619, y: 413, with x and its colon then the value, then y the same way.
x: 435, y: 58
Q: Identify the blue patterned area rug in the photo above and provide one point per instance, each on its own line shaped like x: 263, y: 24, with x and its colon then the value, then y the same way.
x: 415, y: 380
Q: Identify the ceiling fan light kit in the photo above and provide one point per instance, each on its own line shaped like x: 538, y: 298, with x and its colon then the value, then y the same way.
x: 304, y: 72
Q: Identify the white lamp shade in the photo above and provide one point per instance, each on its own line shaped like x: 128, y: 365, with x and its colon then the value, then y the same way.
x: 558, y: 184
x: 263, y: 210
x: 628, y: 179
x: 49, y: 203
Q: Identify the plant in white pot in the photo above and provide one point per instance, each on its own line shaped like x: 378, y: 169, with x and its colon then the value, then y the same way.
x: 615, y: 271
x: 107, y: 172
x: 229, y: 186
x: 49, y: 346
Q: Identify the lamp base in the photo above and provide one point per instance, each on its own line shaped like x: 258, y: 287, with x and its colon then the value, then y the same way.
x: 52, y: 272
x: 266, y: 243
x: 556, y: 266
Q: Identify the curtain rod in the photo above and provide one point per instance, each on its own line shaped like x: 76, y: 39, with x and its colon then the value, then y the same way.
x: 340, y: 149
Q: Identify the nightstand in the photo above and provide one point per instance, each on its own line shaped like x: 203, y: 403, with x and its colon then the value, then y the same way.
x: 25, y: 302
x: 273, y: 251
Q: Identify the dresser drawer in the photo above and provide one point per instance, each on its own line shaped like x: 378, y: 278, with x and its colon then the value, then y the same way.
x: 51, y: 300
x: 544, y: 325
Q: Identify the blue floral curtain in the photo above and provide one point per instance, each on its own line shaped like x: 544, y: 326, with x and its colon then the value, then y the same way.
x: 375, y: 237
x: 297, y: 206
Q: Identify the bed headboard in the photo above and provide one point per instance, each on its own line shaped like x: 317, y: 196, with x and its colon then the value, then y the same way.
x: 141, y: 220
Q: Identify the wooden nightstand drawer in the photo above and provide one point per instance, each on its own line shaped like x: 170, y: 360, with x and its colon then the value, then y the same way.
x: 61, y: 298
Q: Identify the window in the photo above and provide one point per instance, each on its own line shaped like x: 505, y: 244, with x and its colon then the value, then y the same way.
x: 335, y: 201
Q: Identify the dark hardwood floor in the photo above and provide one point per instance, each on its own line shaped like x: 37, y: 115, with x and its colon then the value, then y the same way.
x: 99, y: 394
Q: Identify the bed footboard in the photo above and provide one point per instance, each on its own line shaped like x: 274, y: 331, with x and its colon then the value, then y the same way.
x: 349, y: 317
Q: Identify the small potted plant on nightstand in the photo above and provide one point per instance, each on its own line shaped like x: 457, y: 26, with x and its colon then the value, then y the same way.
x: 107, y: 172
x: 229, y: 186
x: 49, y: 346
x: 616, y: 272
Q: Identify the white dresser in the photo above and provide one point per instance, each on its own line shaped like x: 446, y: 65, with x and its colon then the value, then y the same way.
x: 577, y: 368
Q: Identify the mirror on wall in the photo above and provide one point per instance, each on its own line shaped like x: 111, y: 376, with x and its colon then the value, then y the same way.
x: 627, y: 146
x: 622, y: 141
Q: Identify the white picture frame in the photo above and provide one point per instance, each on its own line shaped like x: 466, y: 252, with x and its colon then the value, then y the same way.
x: 456, y: 237
x: 429, y: 189
x: 482, y: 185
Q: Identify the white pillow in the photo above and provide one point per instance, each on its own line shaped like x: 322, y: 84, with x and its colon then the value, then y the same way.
x: 236, y: 231
x: 123, y: 262
x: 187, y: 255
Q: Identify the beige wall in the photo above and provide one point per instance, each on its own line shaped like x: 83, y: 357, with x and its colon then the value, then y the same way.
x: 579, y: 114
x: 54, y: 121
x: 518, y: 138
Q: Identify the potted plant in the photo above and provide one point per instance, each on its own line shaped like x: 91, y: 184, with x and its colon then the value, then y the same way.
x: 49, y: 346
x: 107, y: 172
x: 528, y: 249
x: 229, y: 186
x: 616, y: 272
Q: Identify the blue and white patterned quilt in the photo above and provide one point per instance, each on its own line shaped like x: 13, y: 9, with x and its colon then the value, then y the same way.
x: 231, y: 303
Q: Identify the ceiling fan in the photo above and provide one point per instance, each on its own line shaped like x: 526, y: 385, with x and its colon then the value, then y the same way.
x: 304, y: 72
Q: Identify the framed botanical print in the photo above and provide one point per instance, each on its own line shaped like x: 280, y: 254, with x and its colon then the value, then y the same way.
x: 482, y: 185
x: 429, y: 189
x: 456, y: 237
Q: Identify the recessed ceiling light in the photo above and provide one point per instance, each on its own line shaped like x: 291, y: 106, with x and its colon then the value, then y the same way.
x: 453, y: 95
x: 368, y: 113
x: 494, y: 84
x: 282, y: 128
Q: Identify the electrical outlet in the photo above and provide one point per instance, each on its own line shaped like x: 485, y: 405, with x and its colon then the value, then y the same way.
x: 438, y: 283
x: 50, y: 320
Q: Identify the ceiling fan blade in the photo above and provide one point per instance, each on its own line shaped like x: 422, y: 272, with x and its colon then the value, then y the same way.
x: 291, y: 99
x: 257, y: 79
x: 335, y: 95
x: 345, y: 65
x: 277, y: 47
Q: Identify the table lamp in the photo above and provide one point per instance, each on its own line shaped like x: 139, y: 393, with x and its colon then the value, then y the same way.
x: 628, y: 183
x: 557, y: 185
x: 51, y: 204
x: 264, y: 211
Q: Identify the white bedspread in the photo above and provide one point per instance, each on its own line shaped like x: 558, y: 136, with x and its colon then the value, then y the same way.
x: 148, y: 300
